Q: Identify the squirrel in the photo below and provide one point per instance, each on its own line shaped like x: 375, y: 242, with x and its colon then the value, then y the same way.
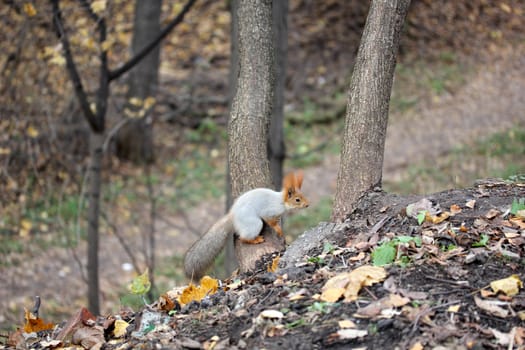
x: 245, y: 219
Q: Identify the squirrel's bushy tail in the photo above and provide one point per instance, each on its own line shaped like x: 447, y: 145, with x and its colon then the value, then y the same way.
x: 203, y: 252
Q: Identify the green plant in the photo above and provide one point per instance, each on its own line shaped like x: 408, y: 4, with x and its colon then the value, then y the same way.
x: 483, y: 240
x: 386, y: 253
x: 517, y: 205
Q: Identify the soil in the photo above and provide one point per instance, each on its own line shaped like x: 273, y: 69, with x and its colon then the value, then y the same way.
x: 441, y: 284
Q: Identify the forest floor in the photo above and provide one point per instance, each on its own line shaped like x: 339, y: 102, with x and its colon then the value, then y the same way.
x: 490, y: 101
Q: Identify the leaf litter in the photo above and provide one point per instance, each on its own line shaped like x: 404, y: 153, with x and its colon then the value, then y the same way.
x: 431, y: 294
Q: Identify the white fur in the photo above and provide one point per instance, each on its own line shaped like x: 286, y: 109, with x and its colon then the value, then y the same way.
x: 253, y: 206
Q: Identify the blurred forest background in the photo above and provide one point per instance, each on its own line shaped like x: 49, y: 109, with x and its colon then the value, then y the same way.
x: 456, y: 115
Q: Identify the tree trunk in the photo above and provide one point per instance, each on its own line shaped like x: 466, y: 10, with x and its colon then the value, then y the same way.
x: 250, y: 116
x: 230, y: 262
x: 94, y: 174
x: 135, y: 138
x: 276, y: 146
x: 367, y: 107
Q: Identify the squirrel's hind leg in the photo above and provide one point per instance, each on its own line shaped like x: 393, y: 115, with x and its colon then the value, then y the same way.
x: 248, y: 228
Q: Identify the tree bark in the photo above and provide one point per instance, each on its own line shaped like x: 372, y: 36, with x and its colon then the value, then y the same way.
x: 135, y: 139
x: 276, y: 146
x: 367, y: 105
x: 94, y: 174
x: 250, y: 116
x: 230, y: 262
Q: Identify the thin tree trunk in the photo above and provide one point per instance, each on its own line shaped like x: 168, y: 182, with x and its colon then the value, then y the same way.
x: 135, y: 138
x: 95, y: 149
x: 367, y: 107
x: 276, y: 146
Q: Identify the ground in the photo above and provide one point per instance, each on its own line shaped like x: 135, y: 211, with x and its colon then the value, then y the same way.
x: 437, y: 294
x: 491, y: 100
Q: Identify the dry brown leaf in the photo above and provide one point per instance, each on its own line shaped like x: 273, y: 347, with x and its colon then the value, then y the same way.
x: 455, y: 209
x: 471, y: 204
x: 492, y: 213
x: 492, y: 307
x: 274, y: 265
x: 35, y: 324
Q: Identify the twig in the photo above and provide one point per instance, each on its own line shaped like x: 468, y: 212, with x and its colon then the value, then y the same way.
x: 427, y: 311
x: 123, y: 243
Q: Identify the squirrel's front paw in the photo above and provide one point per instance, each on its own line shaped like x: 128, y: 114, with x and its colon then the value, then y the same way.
x: 256, y: 240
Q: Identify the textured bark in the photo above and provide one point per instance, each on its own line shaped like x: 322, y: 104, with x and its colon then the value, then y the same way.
x: 367, y: 106
x: 230, y: 262
x: 252, y: 104
x: 135, y: 138
x: 276, y: 146
x: 250, y: 116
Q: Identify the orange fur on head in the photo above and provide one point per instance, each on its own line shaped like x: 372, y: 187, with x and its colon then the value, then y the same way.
x: 293, y: 181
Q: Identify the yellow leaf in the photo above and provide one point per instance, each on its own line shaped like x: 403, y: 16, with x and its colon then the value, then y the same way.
x: 349, y: 283
x: 140, y: 284
x: 5, y: 151
x: 29, y: 9
x: 58, y: 60
x: 25, y: 228
x: 107, y: 44
x: 31, y: 131
x: 207, y: 286
x: 274, y: 265
x: 149, y: 102
x: 346, y: 324
x: 98, y: 6
x: 509, y: 286
x: 120, y: 328
x: 135, y: 101
x: 454, y: 308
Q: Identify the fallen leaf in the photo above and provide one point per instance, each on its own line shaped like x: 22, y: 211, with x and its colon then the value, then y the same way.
x: 120, y: 328
x: 140, y: 284
x: 417, y: 346
x: 349, y: 283
x: 35, y: 324
x: 274, y: 265
x: 346, y: 324
x: 455, y: 209
x: 492, y: 213
x: 207, y: 286
x: 351, y: 333
x: 492, y: 307
x: 454, y: 308
x: 271, y: 314
x: 471, y: 204
x: 509, y: 286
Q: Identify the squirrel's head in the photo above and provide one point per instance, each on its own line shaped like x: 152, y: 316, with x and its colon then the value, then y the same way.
x: 293, y: 197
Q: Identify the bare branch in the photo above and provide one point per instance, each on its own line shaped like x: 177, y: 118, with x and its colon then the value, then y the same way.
x: 136, y: 59
x: 72, y: 68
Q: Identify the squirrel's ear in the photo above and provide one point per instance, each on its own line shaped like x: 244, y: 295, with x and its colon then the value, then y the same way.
x: 289, y: 181
x: 298, y: 179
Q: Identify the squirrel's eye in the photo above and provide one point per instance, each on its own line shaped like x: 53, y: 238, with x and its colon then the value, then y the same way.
x: 298, y: 199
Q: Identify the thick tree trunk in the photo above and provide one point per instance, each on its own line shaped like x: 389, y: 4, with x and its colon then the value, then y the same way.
x: 368, y: 101
x: 135, y: 138
x: 276, y: 147
x: 250, y: 115
x: 94, y: 173
x: 252, y: 104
